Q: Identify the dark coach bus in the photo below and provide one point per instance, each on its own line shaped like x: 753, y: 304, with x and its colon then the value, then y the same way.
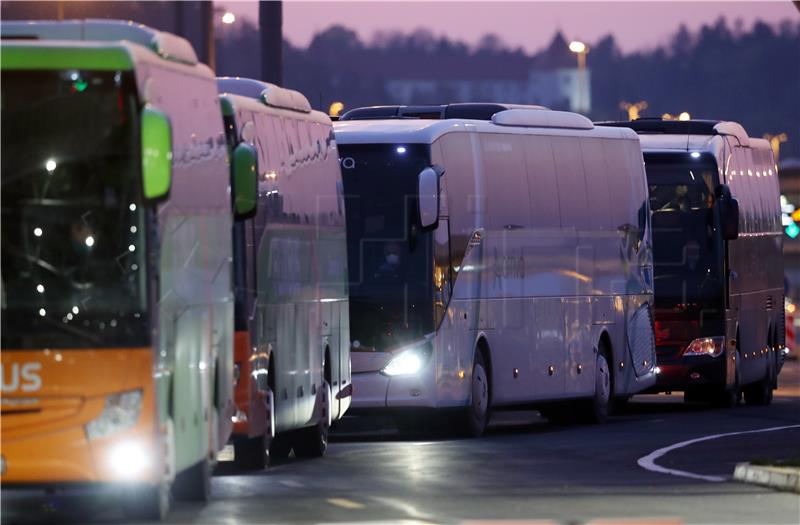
x: 717, y: 257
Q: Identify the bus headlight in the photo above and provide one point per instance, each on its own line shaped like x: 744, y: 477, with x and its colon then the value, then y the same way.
x: 710, y: 346
x: 121, y: 411
x: 129, y: 459
x: 407, y: 362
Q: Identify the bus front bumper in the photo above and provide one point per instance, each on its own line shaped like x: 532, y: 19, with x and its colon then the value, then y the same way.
x: 373, y: 390
x: 67, y: 456
x: 678, y: 373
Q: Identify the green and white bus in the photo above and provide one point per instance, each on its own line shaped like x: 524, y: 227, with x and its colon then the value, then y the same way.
x: 117, y: 286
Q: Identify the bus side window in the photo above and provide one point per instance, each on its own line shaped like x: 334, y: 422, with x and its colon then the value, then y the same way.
x: 574, y: 205
x: 506, y: 181
x: 745, y: 187
x: 542, y: 184
x: 594, y: 168
x: 463, y: 200
x: 262, y: 134
x: 763, y: 189
x: 623, y: 214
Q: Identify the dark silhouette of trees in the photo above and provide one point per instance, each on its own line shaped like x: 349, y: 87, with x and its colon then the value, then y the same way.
x: 738, y: 71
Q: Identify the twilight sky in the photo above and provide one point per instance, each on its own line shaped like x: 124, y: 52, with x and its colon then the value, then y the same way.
x: 529, y: 24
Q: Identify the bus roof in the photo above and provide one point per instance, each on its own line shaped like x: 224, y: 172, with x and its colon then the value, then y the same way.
x: 683, y: 128
x: 267, y: 93
x: 427, y: 131
x: 237, y: 101
x: 681, y: 143
x: 166, y: 45
x: 462, y: 110
x: 37, y: 55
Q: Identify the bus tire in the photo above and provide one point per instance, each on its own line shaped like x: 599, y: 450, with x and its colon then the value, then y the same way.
x: 252, y: 453
x: 147, y: 503
x: 760, y: 392
x: 475, y: 417
x: 194, y: 483
x: 280, y: 448
x: 312, y: 442
x: 728, y: 397
x: 596, y: 410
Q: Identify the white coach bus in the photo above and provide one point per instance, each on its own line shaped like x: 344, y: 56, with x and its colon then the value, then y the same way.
x: 496, y: 264
x: 290, y: 272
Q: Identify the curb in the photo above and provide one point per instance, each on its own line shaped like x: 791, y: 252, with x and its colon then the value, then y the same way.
x: 781, y: 478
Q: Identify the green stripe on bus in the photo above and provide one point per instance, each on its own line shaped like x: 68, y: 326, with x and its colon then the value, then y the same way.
x: 227, y: 106
x: 39, y: 57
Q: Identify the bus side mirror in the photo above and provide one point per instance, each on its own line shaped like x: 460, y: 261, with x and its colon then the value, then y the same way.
x: 244, y: 168
x: 730, y: 219
x: 428, y: 199
x: 728, y: 213
x: 156, y: 142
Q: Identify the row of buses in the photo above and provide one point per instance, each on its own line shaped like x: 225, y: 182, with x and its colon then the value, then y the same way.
x: 190, y: 261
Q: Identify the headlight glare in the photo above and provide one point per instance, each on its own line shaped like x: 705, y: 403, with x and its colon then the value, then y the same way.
x: 121, y: 411
x: 708, y: 346
x: 129, y: 459
x: 407, y: 362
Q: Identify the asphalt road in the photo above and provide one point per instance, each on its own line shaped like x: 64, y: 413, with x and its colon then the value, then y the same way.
x: 527, y: 469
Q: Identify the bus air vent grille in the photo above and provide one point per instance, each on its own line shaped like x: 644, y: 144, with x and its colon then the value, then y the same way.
x: 641, y: 342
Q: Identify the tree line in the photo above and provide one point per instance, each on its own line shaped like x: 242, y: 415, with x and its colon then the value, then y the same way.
x: 720, y: 71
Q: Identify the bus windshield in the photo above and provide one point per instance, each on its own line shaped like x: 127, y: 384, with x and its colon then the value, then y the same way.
x: 73, y: 227
x: 390, y: 260
x: 687, y: 245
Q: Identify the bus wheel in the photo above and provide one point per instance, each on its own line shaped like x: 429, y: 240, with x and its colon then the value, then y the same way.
x: 597, y: 409
x: 312, y: 442
x: 194, y: 483
x: 251, y: 454
x: 759, y: 393
x: 280, y: 448
x: 728, y: 397
x: 254, y: 453
x: 476, y: 416
x: 147, y: 503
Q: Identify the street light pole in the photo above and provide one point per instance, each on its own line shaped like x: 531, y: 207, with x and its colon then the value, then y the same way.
x: 775, y: 142
x: 270, y: 21
x: 581, y: 49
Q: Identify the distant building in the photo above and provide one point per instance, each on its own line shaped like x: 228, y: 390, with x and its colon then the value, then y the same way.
x: 552, y: 80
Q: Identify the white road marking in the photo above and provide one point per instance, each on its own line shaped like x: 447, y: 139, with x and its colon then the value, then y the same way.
x: 648, y: 462
x: 410, y: 510
x: 345, y: 503
x: 291, y: 483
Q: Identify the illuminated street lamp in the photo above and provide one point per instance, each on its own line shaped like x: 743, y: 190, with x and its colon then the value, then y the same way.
x: 685, y: 115
x: 577, y: 47
x: 633, y: 109
x: 581, y: 49
x: 336, y: 109
x: 775, y: 141
x: 228, y: 18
